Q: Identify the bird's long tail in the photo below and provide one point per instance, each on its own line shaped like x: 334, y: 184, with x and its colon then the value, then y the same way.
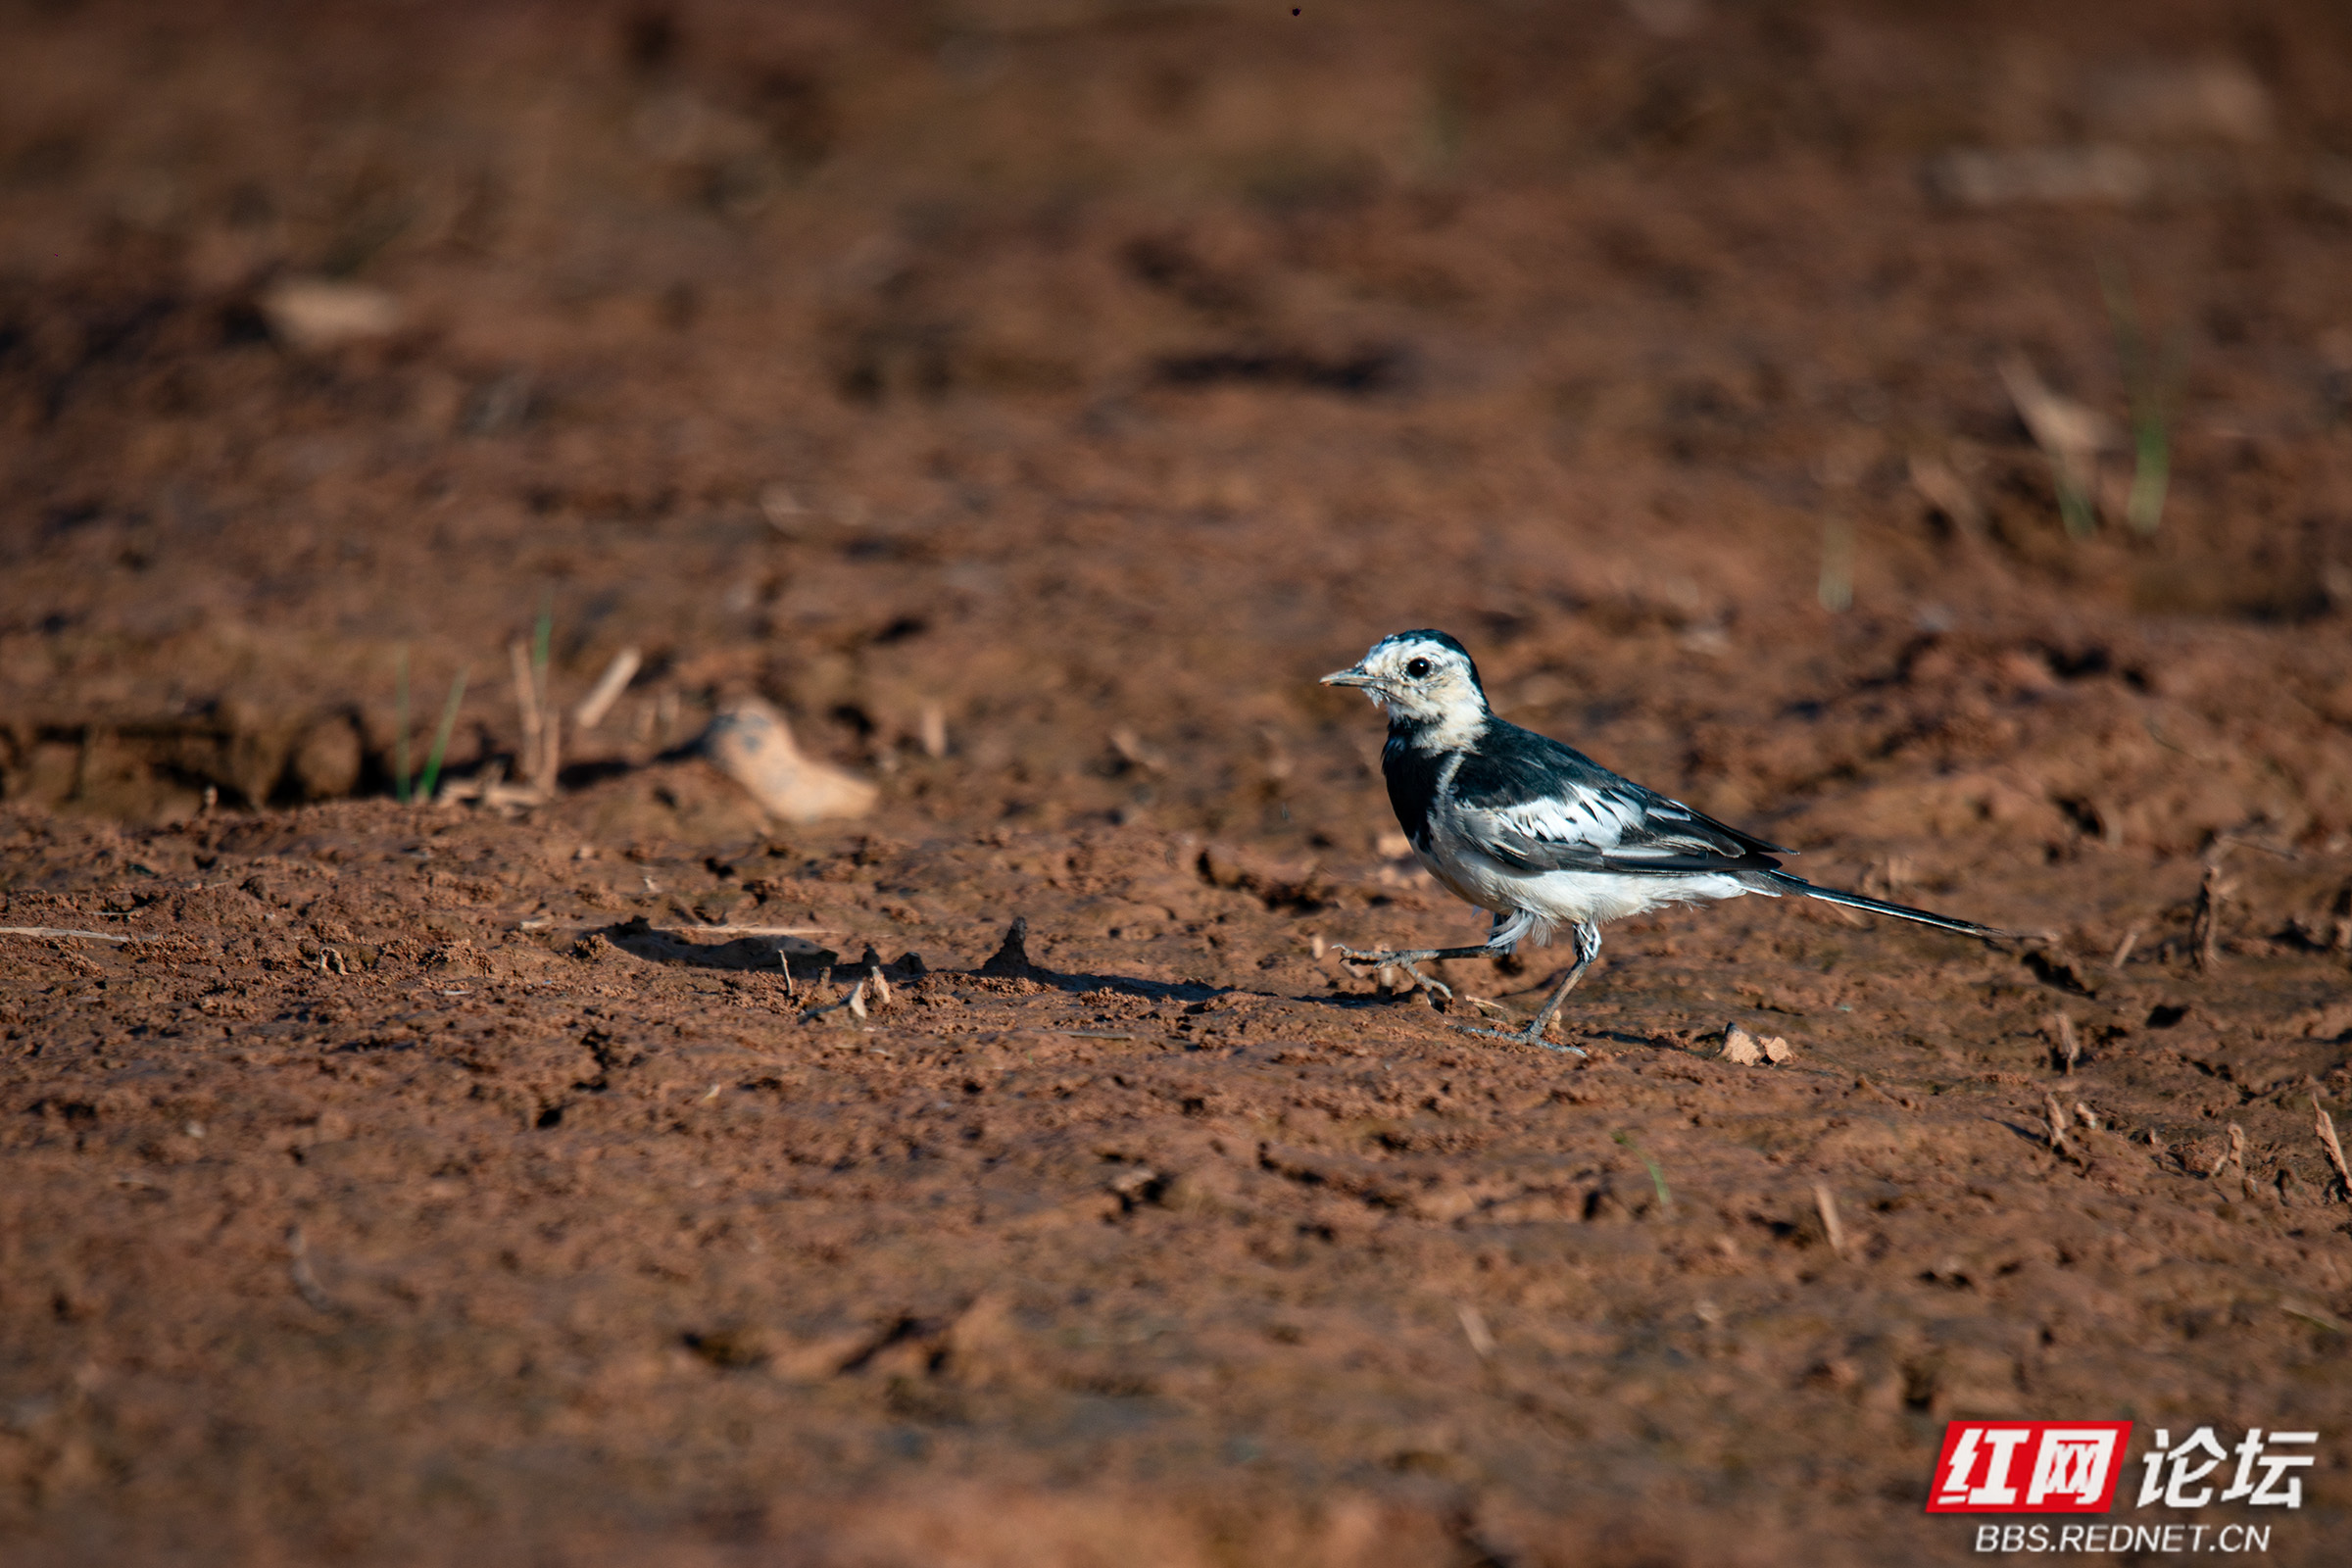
x: 1782, y: 880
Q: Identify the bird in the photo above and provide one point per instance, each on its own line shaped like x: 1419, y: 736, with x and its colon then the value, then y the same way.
x: 1541, y: 836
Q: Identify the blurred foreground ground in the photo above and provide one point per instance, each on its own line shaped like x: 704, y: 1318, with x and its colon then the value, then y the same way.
x: 1031, y: 398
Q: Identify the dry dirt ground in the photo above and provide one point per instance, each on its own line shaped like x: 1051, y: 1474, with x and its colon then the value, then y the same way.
x: 1031, y: 398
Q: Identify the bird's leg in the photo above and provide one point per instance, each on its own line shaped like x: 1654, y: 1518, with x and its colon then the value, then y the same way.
x: 1588, y: 948
x: 1496, y: 945
x: 1386, y: 959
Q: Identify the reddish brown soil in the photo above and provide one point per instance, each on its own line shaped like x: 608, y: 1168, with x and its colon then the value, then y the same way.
x: 1097, y: 375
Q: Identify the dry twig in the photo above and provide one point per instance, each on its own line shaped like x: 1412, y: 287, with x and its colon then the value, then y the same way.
x: 306, y: 1283
x: 63, y: 931
x: 1830, y: 1226
x: 1944, y: 489
x: 853, y: 1002
x: 1135, y: 754
x: 2059, y: 1143
x: 2335, y: 1149
x: 725, y: 929
x: 2206, y: 928
x: 2069, y: 434
x: 542, y: 726
x: 1474, y: 1329
x: 590, y: 711
x: 1896, y: 1100
x: 2313, y: 1315
x: 2069, y: 1044
x: 931, y: 728
x: 2237, y: 1154
x: 526, y: 701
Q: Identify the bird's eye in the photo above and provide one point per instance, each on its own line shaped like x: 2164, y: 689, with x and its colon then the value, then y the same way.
x: 1417, y: 668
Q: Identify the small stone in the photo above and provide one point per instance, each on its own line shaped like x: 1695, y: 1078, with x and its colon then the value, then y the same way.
x: 1752, y: 1050
x: 751, y: 743
x: 317, y: 313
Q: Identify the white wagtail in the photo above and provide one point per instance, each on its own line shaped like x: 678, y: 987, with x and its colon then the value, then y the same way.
x: 1543, y: 836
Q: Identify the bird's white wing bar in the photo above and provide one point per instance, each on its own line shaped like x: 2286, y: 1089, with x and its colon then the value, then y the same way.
x: 1591, y: 817
x: 1602, y: 830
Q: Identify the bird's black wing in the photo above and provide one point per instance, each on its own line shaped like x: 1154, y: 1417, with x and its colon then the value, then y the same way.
x: 1536, y: 804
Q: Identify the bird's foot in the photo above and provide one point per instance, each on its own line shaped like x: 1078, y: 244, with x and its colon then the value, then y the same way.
x: 1439, y: 987
x: 1397, y: 960
x: 1531, y: 1035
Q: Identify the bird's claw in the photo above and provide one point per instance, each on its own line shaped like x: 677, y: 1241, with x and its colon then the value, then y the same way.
x: 1524, y: 1037
x: 1390, y: 960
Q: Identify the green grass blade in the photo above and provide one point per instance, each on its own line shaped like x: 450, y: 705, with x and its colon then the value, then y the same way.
x: 2074, y: 509
x: 2151, y: 478
x: 2130, y: 349
x: 2152, y: 388
x: 1657, y: 1172
x: 543, y: 637
x: 449, y: 723
x: 1835, y: 589
x: 400, y: 725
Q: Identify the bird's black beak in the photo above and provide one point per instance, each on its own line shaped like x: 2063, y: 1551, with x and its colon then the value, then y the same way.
x: 1352, y: 677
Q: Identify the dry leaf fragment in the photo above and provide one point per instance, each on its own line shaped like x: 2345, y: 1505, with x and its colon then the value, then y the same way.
x: 1830, y: 1226
x: 2060, y: 1144
x: 1944, y: 490
x: 2059, y: 176
x: 2234, y: 1156
x: 1475, y: 1329
x: 2071, y: 433
x: 2333, y: 1150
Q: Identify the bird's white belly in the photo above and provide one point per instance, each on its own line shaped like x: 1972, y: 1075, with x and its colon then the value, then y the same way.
x: 1565, y: 898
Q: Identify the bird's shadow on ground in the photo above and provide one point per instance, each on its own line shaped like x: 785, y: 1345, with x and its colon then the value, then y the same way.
x: 769, y: 953
x: 763, y: 954
x: 1079, y: 983
x: 766, y: 954
x: 1455, y: 1015
x: 1086, y: 982
x: 2038, y: 1135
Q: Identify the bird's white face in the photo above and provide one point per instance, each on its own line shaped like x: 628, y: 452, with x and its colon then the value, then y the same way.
x: 1422, y: 682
